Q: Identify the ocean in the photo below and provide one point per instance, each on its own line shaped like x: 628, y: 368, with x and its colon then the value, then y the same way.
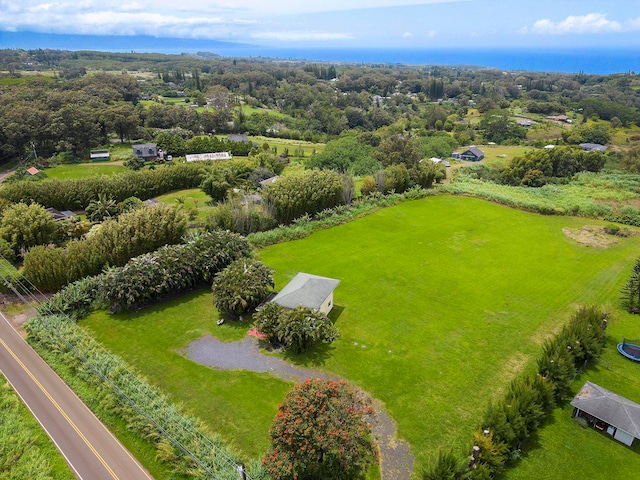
x: 565, y: 60
x: 593, y: 61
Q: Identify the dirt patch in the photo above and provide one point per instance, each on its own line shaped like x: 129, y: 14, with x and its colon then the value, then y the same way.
x: 396, y: 459
x: 591, y: 236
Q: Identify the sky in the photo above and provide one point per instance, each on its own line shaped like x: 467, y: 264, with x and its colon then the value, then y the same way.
x: 342, y: 23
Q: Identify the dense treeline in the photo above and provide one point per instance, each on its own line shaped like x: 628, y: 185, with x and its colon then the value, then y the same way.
x: 113, y: 243
x: 171, y: 269
x: 75, y: 111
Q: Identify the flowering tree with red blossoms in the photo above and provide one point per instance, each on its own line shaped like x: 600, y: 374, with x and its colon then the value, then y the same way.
x: 321, y: 431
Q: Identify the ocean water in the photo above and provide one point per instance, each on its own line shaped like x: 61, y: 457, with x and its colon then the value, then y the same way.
x: 604, y: 61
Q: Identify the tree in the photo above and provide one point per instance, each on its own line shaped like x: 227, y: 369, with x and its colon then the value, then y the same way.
x: 398, y: 149
x: 101, y: 208
x: 496, y: 126
x: 25, y: 226
x: 123, y: 120
x: 345, y: 155
x: 321, y: 431
x: 631, y: 289
x: 242, y: 286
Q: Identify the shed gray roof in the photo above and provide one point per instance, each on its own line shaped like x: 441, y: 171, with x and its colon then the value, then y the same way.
x: 609, y: 407
x: 306, y: 290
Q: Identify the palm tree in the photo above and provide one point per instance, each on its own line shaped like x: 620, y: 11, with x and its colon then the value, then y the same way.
x: 101, y: 208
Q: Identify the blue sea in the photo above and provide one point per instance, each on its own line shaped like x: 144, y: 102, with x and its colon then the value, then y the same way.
x: 565, y: 60
x: 604, y: 61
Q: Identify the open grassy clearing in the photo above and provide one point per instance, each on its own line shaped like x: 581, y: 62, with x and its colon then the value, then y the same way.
x: 447, y: 296
x: 292, y: 145
x: 194, y: 198
x: 442, y: 302
x: 83, y: 170
x: 25, y: 449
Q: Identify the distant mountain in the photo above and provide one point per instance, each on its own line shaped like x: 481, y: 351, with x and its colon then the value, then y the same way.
x: 32, y: 40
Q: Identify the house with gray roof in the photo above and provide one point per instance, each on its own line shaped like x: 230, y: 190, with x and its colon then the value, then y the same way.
x: 593, y: 147
x: 472, y: 154
x: 145, y: 150
x: 307, y: 290
x: 608, y: 412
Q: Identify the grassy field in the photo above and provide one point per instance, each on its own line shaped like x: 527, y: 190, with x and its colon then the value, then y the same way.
x: 239, y: 405
x: 190, y: 196
x: 25, y: 449
x: 442, y: 302
x: 292, y: 145
x: 83, y: 170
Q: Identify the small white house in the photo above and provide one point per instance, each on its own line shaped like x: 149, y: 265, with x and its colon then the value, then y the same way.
x: 306, y: 290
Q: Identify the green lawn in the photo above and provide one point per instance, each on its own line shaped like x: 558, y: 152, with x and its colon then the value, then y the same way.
x: 239, y: 405
x: 83, y: 170
x: 445, y: 300
x: 291, y: 145
x: 190, y: 197
x: 442, y: 302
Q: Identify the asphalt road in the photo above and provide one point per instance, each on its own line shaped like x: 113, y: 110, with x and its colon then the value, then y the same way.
x: 90, y: 449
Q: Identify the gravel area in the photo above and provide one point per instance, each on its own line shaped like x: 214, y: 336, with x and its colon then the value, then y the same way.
x: 395, y: 454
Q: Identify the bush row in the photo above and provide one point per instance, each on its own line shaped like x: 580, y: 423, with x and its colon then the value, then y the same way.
x: 172, y: 269
x: 78, y: 193
x: 68, y: 348
x: 113, y: 243
x: 331, y: 217
x: 529, y: 399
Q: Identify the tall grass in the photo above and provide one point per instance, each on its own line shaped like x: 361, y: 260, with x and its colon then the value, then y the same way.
x: 25, y: 450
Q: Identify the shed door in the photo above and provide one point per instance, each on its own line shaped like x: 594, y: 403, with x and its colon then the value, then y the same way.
x: 623, y: 437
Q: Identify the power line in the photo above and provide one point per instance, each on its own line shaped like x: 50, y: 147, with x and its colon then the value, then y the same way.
x: 28, y: 293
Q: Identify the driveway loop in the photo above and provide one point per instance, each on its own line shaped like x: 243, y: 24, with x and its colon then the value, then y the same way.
x: 396, y: 460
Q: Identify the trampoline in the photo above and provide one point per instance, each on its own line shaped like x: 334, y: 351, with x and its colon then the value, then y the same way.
x: 630, y: 349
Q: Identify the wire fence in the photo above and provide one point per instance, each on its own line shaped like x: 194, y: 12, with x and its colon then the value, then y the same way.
x: 212, y: 458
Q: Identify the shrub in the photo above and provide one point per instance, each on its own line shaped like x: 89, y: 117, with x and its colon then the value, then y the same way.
x: 241, y: 286
x: 297, y: 329
x: 309, y: 192
x: 321, y: 431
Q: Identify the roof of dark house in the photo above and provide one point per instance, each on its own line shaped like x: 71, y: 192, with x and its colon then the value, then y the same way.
x: 306, y: 290
x: 609, y: 407
x: 238, y: 137
x: 475, y: 151
x: 60, y: 215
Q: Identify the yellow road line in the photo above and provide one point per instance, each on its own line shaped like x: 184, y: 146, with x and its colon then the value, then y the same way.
x: 62, y: 412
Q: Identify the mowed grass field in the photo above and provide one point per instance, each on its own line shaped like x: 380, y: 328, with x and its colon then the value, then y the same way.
x: 442, y: 302
x: 83, y: 170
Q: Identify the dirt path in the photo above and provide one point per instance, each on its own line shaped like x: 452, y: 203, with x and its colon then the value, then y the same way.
x: 396, y: 460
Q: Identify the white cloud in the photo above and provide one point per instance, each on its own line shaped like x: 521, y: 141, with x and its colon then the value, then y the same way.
x: 302, y: 36
x: 576, y: 24
x: 407, y: 35
x: 431, y: 34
